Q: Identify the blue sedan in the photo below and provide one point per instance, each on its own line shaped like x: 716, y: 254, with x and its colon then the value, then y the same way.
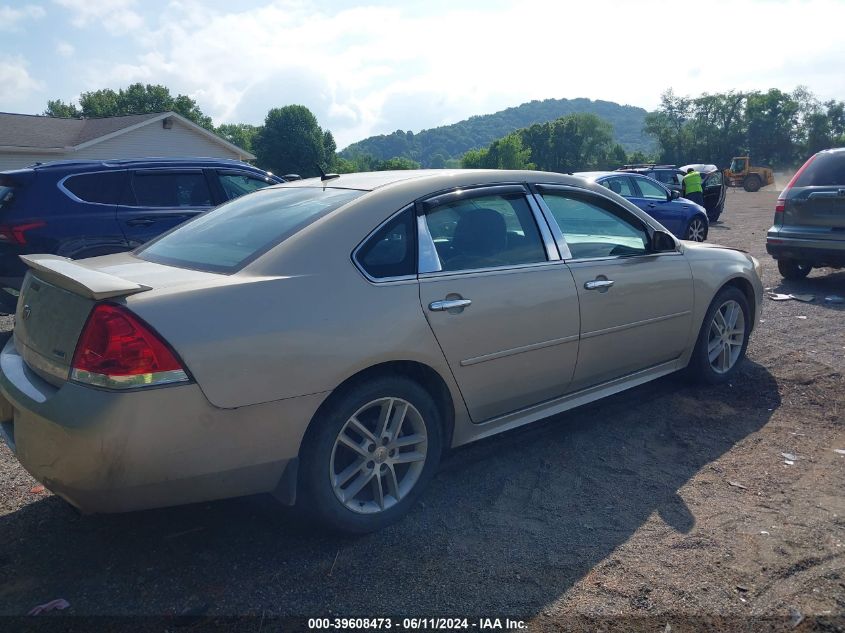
x: 684, y: 218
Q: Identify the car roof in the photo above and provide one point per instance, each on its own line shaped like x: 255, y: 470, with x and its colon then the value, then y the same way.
x: 129, y: 163
x: 595, y: 175
x: 433, y: 179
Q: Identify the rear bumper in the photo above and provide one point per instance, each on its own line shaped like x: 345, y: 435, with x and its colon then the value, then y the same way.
x: 813, y: 252
x: 115, y: 452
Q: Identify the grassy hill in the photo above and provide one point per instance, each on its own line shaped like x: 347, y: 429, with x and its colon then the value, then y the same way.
x: 434, y: 146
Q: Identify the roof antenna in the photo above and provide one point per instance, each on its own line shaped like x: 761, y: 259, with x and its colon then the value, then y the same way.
x: 324, y: 176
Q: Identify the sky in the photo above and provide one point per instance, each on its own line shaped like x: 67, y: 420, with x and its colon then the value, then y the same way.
x: 372, y: 67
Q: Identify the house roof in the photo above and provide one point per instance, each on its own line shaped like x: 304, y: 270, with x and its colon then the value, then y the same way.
x: 39, y: 133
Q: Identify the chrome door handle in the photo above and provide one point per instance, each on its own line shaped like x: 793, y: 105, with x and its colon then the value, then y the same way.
x: 448, y: 304
x: 598, y: 284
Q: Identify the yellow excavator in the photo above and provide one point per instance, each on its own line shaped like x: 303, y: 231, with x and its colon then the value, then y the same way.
x: 742, y: 174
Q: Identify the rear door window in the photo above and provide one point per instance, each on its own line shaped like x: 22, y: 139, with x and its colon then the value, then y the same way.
x: 168, y: 189
x: 103, y: 187
x: 228, y: 237
x: 621, y: 185
x: 825, y: 170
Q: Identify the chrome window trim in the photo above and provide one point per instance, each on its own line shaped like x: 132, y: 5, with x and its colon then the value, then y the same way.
x: 552, y: 247
x: 490, y: 270
x: 63, y: 188
x: 428, y: 260
x: 556, y: 233
x: 360, y: 267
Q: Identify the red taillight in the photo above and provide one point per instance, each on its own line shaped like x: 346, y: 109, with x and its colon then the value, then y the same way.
x: 15, y: 233
x: 118, y: 350
x: 780, y: 205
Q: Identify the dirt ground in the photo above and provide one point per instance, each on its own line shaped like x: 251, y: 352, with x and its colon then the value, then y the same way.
x: 667, y: 504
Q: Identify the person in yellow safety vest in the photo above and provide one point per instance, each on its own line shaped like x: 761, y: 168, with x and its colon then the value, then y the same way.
x: 692, y: 187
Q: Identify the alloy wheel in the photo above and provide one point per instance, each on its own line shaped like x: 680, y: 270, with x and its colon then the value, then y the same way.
x: 696, y: 232
x: 726, y: 337
x: 378, y: 456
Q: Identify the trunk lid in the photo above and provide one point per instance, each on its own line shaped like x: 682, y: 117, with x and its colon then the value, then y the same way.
x: 56, y: 297
x: 58, y: 294
x: 820, y: 207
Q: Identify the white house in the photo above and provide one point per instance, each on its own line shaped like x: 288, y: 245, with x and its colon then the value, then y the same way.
x: 26, y: 139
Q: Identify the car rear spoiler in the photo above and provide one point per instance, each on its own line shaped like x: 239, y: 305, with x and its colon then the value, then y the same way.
x: 80, y: 279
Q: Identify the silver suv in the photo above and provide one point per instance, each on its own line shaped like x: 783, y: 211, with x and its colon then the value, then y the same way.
x: 809, y: 226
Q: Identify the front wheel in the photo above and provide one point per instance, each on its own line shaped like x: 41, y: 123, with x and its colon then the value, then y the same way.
x: 696, y: 230
x: 752, y: 184
x: 793, y: 270
x: 368, y: 456
x: 723, y: 337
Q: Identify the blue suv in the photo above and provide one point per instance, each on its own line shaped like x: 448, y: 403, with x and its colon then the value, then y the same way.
x: 87, y: 208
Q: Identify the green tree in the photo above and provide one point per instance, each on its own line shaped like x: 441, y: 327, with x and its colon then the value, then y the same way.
x: 58, y: 108
x: 329, y: 151
x: 240, y: 134
x: 509, y: 153
x: 292, y: 141
x: 397, y: 162
x: 668, y: 126
x: 135, y: 99
x: 772, y: 122
x: 475, y: 159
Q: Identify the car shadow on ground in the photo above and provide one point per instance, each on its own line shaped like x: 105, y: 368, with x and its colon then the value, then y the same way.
x: 508, y: 526
x: 823, y: 283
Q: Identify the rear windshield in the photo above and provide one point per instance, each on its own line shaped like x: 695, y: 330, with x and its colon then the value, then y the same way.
x: 227, y: 238
x: 824, y: 170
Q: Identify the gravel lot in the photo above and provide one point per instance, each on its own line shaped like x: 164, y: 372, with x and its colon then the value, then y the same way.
x: 667, y: 502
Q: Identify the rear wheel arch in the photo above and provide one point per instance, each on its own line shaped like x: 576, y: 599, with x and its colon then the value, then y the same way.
x: 420, y: 373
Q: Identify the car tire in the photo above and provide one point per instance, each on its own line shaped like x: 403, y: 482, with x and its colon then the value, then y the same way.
x: 368, y: 487
x: 752, y: 184
x: 793, y: 270
x: 696, y: 230
x: 716, y: 355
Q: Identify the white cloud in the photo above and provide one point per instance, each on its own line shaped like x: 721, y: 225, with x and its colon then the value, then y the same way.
x: 10, y: 17
x: 65, y: 49
x: 115, y: 16
x: 373, y: 69
x: 16, y: 84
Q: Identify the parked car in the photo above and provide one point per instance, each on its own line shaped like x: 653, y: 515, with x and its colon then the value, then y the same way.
x: 327, y: 340
x: 684, y: 218
x: 809, y: 225
x: 86, y: 208
x: 713, y: 183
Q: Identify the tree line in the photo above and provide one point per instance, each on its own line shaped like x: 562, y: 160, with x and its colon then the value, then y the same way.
x: 290, y: 140
x: 777, y: 128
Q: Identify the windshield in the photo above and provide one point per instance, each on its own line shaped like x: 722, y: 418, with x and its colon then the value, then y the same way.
x: 227, y: 238
x: 737, y: 165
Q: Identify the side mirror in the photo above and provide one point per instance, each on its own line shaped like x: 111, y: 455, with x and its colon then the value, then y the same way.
x: 662, y: 242
x: 674, y: 194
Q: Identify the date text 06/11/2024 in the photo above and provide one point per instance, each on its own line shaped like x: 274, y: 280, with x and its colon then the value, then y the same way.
x: 417, y: 624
